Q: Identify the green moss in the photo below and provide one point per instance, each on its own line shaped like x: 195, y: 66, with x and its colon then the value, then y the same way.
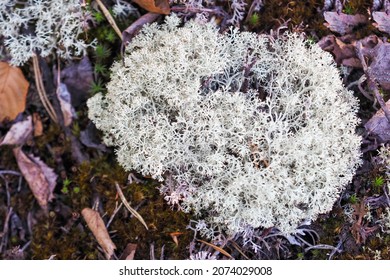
x: 97, y: 179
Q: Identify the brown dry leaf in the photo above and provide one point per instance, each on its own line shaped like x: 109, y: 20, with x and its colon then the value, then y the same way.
x: 343, y: 23
x: 155, y: 6
x: 382, y: 20
x: 13, y: 91
x: 99, y: 230
x: 18, y: 133
x: 38, y: 126
x: 129, y: 252
x: 40, y: 178
x: 67, y: 109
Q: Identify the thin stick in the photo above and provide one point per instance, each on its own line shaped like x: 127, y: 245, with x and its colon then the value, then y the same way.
x: 5, y: 229
x: 127, y: 205
x: 41, y: 90
x: 113, y: 214
x: 109, y: 18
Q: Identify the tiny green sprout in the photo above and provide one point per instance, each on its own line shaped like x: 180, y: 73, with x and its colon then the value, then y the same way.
x: 66, y: 182
x: 100, y: 69
x: 377, y: 183
x: 300, y: 256
x: 102, y: 52
x: 254, y: 19
x: 353, y: 199
x: 65, y: 185
x: 111, y: 36
x: 99, y: 17
x: 76, y: 190
x: 76, y: 129
x: 310, y: 40
x: 96, y: 87
x: 65, y: 190
x: 348, y: 10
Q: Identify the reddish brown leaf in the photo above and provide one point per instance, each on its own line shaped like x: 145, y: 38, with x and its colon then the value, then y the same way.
x: 18, y: 133
x: 99, y: 230
x: 129, y: 252
x: 175, y: 236
x: 343, y: 23
x: 343, y: 53
x: 40, y: 178
x: 155, y: 6
x: 38, y: 127
x: 13, y: 91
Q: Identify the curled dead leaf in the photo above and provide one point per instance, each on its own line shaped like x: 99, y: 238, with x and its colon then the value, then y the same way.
x: 78, y: 78
x: 175, y: 236
x: 99, y: 230
x: 13, y: 91
x: 155, y: 6
x: 344, y: 53
x: 40, y: 178
x: 343, y: 23
x: 18, y: 133
x: 67, y: 109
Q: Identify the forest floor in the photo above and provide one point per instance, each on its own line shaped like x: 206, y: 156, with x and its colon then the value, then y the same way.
x: 79, y: 172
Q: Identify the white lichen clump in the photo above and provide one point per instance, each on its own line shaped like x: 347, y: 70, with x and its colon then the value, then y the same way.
x: 244, y: 130
x: 42, y: 26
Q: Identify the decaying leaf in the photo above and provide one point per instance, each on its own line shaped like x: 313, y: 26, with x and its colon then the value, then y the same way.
x: 129, y: 252
x: 78, y: 78
x: 99, y: 230
x: 89, y: 137
x: 343, y: 23
x: 377, y: 53
x: 382, y: 21
x: 67, y: 109
x: 40, y: 178
x: 343, y: 53
x: 13, y: 91
x: 379, y: 126
x: 38, y: 126
x: 155, y: 6
x: 18, y: 133
x: 360, y: 229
